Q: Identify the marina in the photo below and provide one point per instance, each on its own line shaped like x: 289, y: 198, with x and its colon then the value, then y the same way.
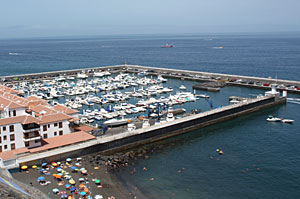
x: 126, y: 109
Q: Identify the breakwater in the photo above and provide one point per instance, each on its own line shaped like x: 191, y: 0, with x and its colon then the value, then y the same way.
x: 127, y: 140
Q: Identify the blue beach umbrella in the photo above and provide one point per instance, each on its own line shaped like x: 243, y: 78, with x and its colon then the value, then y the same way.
x: 44, y: 164
x: 60, y: 174
x: 67, y: 186
x: 82, y: 193
x: 64, y: 196
x: 41, y: 178
x: 73, y: 167
x: 68, y: 159
x: 72, y: 188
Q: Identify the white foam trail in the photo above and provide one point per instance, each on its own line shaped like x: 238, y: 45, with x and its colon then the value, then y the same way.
x: 14, y: 53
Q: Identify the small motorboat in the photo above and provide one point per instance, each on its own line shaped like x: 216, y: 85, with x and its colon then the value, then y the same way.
x: 273, y: 119
x: 182, y: 87
x: 288, y: 121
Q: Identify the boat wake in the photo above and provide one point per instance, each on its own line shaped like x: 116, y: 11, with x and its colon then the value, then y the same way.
x: 15, y: 53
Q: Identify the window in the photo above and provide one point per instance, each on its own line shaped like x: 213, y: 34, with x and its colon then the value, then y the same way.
x: 27, y: 144
x: 9, y: 114
x: 37, y: 141
x: 55, y: 133
x: 12, y: 137
x: 48, y: 125
x: 0, y: 139
x: 0, y: 148
x: 5, y: 137
x: 12, y: 146
x: 11, y: 128
x: 55, y: 124
x: 60, y: 125
x: 61, y: 133
x: 45, y: 136
x: 5, y: 146
x: 14, y: 113
x: 4, y: 128
x: 45, y: 128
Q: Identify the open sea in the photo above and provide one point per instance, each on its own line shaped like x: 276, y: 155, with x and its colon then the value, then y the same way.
x: 261, y: 159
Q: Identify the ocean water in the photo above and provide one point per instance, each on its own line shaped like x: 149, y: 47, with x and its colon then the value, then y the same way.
x: 261, y: 159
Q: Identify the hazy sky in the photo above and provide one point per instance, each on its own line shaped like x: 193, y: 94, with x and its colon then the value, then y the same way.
x: 31, y: 18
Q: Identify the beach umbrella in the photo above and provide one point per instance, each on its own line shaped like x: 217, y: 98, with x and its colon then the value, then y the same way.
x: 98, y: 197
x: 82, y: 169
x: 98, y: 181
x: 77, y: 163
x: 81, y: 186
x: 72, y: 167
x: 68, y: 159
x: 54, y: 164
x: 84, y: 172
x: 42, y: 171
x: 54, y: 174
x: 24, y: 167
x: 86, y: 190
x: 72, y: 188
x: 78, y: 159
x: 62, y: 192
x: 58, y: 163
x: 60, y: 174
x: 55, y: 190
x: 81, y: 179
x: 68, y: 177
x: 64, y: 196
x: 72, y: 181
x: 67, y: 186
x: 82, y: 193
x: 41, y: 178
x: 34, y: 166
x: 44, y: 164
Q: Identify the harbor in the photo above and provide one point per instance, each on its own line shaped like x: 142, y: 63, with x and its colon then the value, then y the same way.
x: 122, y: 109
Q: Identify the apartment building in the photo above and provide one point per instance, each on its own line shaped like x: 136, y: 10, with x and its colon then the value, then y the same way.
x: 25, y: 122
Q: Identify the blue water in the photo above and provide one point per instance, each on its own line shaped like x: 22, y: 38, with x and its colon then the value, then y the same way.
x: 261, y: 159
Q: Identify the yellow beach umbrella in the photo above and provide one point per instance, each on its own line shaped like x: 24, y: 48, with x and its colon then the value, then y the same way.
x: 34, y: 166
x: 72, y: 181
x: 24, y: 167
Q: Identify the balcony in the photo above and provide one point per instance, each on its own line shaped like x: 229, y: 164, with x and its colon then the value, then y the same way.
x: 31, y: 127
x: 31, y: 136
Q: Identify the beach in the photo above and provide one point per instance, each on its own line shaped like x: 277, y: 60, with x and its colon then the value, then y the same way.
x: 109, y: 187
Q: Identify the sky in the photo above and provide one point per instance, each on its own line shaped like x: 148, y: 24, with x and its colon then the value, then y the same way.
x: 43, y: 18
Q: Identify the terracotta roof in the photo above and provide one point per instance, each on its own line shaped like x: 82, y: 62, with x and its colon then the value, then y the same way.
x: 63, y: 140
x: 7, y: 155
x: 33, y: 98
x: 5, y: 89
x: 43, y: 110
x: 11, y: 104
x: 54, y: 118
x: 63, y: 109
x: 23, y: 119
x: 84, y: 128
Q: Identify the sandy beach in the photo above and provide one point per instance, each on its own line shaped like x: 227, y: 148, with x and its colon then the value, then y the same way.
x: 109, y: 186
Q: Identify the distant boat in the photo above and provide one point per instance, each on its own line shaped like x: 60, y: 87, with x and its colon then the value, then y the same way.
x: 167, y: 46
